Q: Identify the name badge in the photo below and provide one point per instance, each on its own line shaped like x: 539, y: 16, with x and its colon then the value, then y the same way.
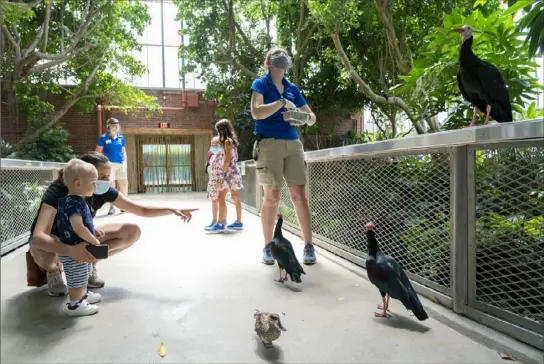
x: 108, y: 141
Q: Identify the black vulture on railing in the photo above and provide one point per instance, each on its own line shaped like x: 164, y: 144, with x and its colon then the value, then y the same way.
x: 481, y: 83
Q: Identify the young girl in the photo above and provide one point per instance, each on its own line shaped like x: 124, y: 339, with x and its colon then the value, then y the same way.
x: 214, y: 148
x: 225, y: 178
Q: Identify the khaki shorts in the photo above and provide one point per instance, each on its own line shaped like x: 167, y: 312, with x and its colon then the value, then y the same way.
x: 118, y: 171
x: 279, y: 159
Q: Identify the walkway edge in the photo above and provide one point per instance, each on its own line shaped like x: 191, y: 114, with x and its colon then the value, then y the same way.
x: 489, y: 337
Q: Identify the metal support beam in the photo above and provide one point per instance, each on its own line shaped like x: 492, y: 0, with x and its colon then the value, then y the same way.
x: 162, y: 46
x: 459, y: 228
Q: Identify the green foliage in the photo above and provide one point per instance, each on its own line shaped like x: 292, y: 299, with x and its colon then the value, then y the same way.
x: 533, y: 20
x: 50, y: 146
x: 432, y: 83
x: 88, y: 46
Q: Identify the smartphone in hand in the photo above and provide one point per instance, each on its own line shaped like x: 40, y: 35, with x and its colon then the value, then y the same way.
x: 98, y: 251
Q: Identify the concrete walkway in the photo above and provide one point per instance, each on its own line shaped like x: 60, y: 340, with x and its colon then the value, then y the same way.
x: 197, y: 293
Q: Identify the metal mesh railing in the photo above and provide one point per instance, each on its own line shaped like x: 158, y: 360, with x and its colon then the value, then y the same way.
x: 406, y: 197
x: 510, y: 230
x: 248, y: 195
x: 22, y: 184
x: 492, y: 214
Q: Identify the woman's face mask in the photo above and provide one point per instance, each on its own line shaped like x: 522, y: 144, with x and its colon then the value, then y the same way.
x: 215, y: 148
x: 101, y: 187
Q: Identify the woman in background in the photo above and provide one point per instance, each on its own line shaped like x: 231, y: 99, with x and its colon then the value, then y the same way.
x: 225, y: 177
x: 112, y: 144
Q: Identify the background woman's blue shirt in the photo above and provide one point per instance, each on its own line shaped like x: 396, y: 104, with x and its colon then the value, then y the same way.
x: 113, y: 147
x: 274, y: 126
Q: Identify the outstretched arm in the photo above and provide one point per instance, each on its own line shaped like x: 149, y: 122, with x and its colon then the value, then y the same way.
x: 123, y: 203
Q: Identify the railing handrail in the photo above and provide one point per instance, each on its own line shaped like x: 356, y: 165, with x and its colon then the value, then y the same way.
x: 11, y: 164
x: 520, y: 130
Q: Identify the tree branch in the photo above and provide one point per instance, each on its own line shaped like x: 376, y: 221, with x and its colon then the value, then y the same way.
x: 13, y: 43
x: 46, y: 25
x: 267, y: 21
x: 27, y: 5
x: 308, y: 37
x: 387, y: 21
x: 366, y: 90
x: 247, y: 41
x: 55, y: 60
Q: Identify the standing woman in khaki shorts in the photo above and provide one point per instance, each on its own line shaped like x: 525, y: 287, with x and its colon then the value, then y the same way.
x: 112, y: 144
x: 278, y: 150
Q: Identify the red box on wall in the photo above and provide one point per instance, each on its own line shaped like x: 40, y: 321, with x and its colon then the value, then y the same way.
x: 164, y: 125
x: 192, y: 100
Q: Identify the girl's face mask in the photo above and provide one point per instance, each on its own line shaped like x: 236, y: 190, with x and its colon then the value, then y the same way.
x: 214, y: 149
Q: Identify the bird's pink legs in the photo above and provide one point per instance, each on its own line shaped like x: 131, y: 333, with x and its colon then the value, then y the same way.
x: 384, y: 307
x: 281, y: 279
x: 488, y: 109
x: 474, y: 116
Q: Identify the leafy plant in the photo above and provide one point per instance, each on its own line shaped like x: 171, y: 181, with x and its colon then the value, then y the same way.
x: 432, y: 83
x: 51, y: 146
x: 533, y: 20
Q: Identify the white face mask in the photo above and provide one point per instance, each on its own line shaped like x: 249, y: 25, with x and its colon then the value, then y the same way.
x: 101, y: 187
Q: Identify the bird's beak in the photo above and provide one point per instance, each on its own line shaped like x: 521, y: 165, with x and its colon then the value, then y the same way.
x: 458, y: 30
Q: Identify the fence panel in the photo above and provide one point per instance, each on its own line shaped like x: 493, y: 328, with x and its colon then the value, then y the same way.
x: 509, y: 233
x: 22, y: 184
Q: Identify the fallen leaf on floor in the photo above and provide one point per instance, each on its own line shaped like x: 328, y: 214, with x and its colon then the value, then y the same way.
x: 356, y: 285
x: 340, y: 299
x: 411, y: 313
x: 162, y: 350
x: 283, y: 313
x: 505, y: 356
x: 434, y: 300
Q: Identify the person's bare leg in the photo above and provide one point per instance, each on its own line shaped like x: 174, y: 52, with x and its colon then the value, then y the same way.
x: 237, y: 204
x: 268, y: 213
x: 119, y: 237
x: 222, y: 206
x: 123, y: 186
x: 215, y: 210
x: 302, y: 210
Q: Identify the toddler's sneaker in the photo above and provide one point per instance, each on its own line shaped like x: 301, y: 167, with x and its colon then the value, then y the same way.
x: 236, y: 226
x: 82, y: 308
x: 216, y: 229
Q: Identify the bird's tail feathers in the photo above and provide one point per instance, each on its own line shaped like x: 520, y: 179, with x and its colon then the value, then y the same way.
x: 500, y: 114
x: 417, y: 307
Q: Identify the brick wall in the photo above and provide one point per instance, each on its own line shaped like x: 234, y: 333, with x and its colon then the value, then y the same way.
x: 83, y: 126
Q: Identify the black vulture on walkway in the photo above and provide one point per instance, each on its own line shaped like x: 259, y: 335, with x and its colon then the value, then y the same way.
x: 481, y: 83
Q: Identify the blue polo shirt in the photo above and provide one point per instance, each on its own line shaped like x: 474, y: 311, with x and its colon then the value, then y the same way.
x: 274, y: 126
x: 113, y: 147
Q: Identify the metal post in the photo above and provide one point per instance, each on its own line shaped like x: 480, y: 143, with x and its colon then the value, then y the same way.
x: 459, y: 228
x: 471, y: 228
x: 162, y: 47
